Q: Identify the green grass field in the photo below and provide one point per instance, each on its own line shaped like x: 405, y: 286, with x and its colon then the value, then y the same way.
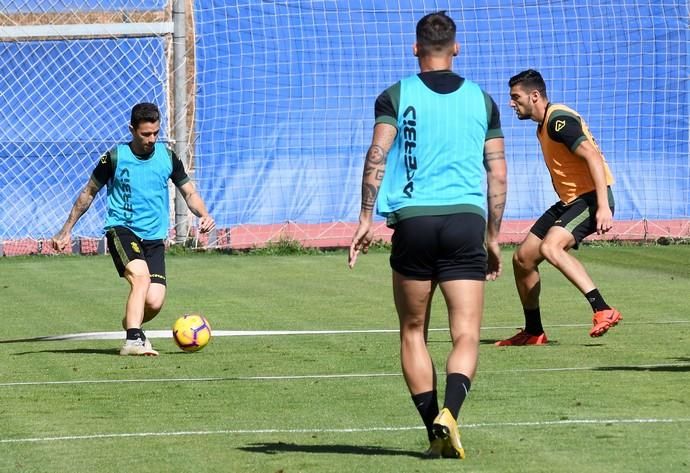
x: 337, y: 402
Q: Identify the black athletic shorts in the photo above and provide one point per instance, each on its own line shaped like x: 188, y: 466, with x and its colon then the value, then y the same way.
x: 578, y: 217
x: 440, y: 248
x: 124, y: 246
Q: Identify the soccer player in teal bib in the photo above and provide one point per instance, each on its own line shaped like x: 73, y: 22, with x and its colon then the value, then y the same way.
x: 436, y: 171
x: 136, y: 175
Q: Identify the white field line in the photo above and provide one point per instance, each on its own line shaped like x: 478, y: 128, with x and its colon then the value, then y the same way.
x: 496, y: 425
x: 205, y: 379
x: 326, y: 376
x: 262, y: 333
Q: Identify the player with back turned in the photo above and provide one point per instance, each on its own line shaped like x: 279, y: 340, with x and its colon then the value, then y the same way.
x: 436, y: 171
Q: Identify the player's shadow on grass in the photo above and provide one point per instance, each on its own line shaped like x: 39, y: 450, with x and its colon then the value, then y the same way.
x: 81, y: 351
x: 484, y: 341
x: 281, y: 447
x: 492, y: 341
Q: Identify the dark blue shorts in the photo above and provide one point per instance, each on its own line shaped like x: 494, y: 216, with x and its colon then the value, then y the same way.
x: 440, y: 248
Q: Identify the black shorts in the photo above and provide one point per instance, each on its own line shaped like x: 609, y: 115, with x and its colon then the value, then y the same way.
x: 124, y: 246
x: 440, y: 248
x: 578, y: 217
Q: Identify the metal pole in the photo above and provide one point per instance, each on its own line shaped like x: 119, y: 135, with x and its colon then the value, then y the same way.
x: 180, y: 107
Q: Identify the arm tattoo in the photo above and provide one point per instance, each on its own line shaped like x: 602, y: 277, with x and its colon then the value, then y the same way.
x: 497, y: 216
x: 81, y: 205
x: 497, y: 203
x: 83, y: 201
x: 374, y: 168
x: 493, y: 156
x: 376, y: 155
x: 369, y: 192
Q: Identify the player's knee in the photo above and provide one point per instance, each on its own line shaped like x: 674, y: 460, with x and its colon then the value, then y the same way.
x: 153, y: 306
x: 550, y: 250
x: 138, y: 280
x: 412, y: 326
x: 155, y: 298
x: 465, y: 339
x: 521, y: 263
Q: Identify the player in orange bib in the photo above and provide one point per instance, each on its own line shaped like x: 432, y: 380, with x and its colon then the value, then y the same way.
x: 582, y: 180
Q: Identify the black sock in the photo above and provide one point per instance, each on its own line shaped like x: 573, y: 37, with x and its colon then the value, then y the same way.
x: 134, y: 333
x: 427, y: 405
x: 596, y: 301
x: 533, y: 321
x: 457, y: 388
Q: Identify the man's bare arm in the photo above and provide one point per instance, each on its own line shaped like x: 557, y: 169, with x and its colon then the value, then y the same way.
x: 81, y: 205
x: 375, y: 166
x: 374, y: 170
x: 497, y: 186
x: 197, y: 206
x: 595, y: 164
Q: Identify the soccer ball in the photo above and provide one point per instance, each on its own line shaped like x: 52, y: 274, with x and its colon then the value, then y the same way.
x: 191, y: 332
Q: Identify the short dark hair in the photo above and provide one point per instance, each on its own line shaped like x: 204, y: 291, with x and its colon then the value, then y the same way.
x: 144, y: 112
x: 529, y: 80
x: 435, y: 33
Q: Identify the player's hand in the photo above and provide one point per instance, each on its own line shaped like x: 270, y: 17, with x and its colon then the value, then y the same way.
x: 604, y: 218
x: 361, y: 241
x: 61, y: 241
x: 494, y: 263
x: 206, y: 224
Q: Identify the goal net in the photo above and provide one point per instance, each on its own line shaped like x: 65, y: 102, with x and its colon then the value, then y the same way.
x: 70, y: 72
x: 284, y: 95
x: 287, y: 91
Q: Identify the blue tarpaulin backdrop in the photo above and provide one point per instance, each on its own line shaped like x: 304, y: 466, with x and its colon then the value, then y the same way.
x: 285, y: 94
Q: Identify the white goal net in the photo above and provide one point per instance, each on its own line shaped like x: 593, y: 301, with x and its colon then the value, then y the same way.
x: 282, y: 97
x: 69, y: 74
